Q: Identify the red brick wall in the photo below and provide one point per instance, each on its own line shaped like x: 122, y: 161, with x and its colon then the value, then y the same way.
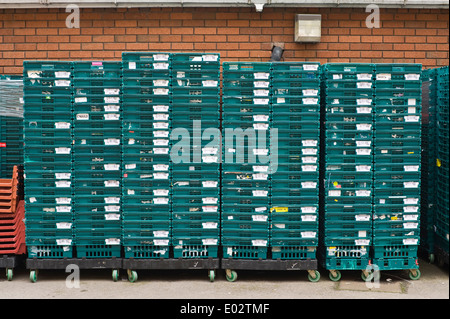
x: 406, y: 35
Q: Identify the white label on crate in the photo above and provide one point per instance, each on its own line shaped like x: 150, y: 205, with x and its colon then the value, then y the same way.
x: 82, y: 117
x: 309, y: 151
x: 310, y: 92
x: 161, y: 133
x: 259, y: 218
x: 62, y: 82
x: 261, y: 84
x: 309, y: 159
x: 259, y: 242
x: 334, y: 193
x: 111, y: 167
x: 61, y: 200
x: 309, y: 218
x: 363, y: 143
x: 259, y: 101
x: 382, y: 201
x: 411, y: 168
x: 160, y: 108
x: 112, y: 241
x: 161, y: 192
x: 309, y: 142
x: 210, y: 57
x: 413, y: 201
x: 80, y: 99
x: 209, y: 241
x: 62, y: 184
x: 112, y: 208
x: 161, y: 142
x: 209, y: 200
x: 161, y: 242
x: 231, y: 150
x: 281, y: 100
x: 280, y: 225
x: 410, y: 241
x: 63, y: 242
x: 308, y: 234
x: 309, y: 184
x: 209, y: 159
x: 411, y: 217
x: 160, y: 167
x: 161, y: 66
x: 412, y: 102
x: 209, y: 225
x: 160, y: 91
x: 160, y: 125
x: 160, y: 175
x: 63, y: 209
x: 411, y: 118
x: 384, y: 151
x: 210, y: 83
x: 261, y: 75
x: 112, y: 183
x: 63, y: 225
x: 364, y: 85
x: 112, y: 141
x: 260, y: 118
x: 63, y: 175
x: 163, y: 150
x: 411, y: 184
x: 363, y: 168
x: 161, y: 233
x: 160, y: 200
x: 63, y: 125
x: 362, y: 233
x: 209, y: 150
x: 383, y: 77
x: 112, y: 216
x: 111, y: 99
x: 180, y: 74
x: 411, y: 109
x: 310, y: 67
x: 410, y: 225
x: 131, y: 65
x: 309, y: 168
x: 364, y: 76
x: 310, y: 100
x: 209, y: 183
x: 62, y: 74
x: 259, y: 193
x: 364, y: 110
x: 111, y: 91
x: 362, y: 242
x: 309, y: 209
x: 362, y: 217
x: 260, y: 209
x: 130, y: 166
x: 412, y: 77
x: 130, y: 192
x: 411, y: 209
x: 261, y: 92
x: 362, y: 193
x: 364, y: 101
x: 260, y: 168
x: 337, y: 76
x: 260, y: 126
x: 335, y: 101
x: 209, y: 209
x: 160, y: 57
x: 112, y: 117
x: 112, y: 200
x: 260, y: 177
x: 260, y: 151
x: 161, y: 82
x: 363, y: 127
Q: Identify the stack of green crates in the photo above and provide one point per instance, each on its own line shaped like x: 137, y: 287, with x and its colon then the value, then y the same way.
x: 348, y: 144
x: 195, y: 155
x: 397, y: 158
x: 247, y: 115
x: 97, y: 158
x: 11, y: 124
x: 294, y: 223
x: 147, y: 105
x: 442, y: 194
x: 48, y: 153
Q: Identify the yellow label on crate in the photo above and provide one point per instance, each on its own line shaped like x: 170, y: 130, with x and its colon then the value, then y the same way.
x: 438, y: 162
x: 394, y: 218
x: 279, y: 209
x: 335, y: 183
x: 410, y: 152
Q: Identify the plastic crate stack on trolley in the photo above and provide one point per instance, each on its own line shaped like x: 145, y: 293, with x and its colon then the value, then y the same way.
x: 442, y: 163
x: 397, y: 157
x: 147, y: 226
x: 348, y: 143
x: 196, y: 155
x: 11, y: 123
x: 97, y: 157
x: 295, y: 179
x: 48, y: 181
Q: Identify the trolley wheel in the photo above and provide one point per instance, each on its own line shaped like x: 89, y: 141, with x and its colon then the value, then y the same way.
x: 132, y: 275
x: 231, y: 275
x: 9, y: 274
x: 115, y: 275
x: 335, y: 275
x: 367, y: 277
x: 313, y: 275
x: 33, y: 275
x: 414, y: 274
x: 212, y: 275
